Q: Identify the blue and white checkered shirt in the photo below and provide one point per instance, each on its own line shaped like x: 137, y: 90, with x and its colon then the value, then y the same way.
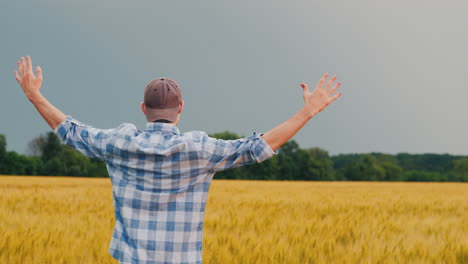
x: 160, y: 180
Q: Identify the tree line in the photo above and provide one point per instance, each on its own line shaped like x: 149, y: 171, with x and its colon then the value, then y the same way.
x: 48, y: 157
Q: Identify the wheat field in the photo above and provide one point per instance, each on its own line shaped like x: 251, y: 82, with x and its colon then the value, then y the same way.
x: 70, y: 220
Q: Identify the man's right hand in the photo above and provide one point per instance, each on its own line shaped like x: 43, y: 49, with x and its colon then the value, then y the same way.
x: 30, y: 83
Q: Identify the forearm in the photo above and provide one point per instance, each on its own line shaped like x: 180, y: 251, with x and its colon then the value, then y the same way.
x: 279, y: 135
x: 50, y: 113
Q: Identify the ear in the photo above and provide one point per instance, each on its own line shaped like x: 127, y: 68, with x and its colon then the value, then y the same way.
x: 181, y: 107
x: 143, y: 107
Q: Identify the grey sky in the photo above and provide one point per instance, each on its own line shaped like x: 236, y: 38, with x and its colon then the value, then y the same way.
x: 403, y: 65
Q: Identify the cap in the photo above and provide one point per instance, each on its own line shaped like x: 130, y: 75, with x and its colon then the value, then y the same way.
x: 162, y: 98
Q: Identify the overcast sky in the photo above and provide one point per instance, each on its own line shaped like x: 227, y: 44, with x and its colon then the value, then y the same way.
x: 403, y: 65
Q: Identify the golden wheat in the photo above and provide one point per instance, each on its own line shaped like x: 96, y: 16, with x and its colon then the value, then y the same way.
x: 70, y: 220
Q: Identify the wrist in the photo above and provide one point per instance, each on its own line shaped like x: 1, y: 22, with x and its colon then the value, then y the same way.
x: 307, y: 112
x: 34, y: 96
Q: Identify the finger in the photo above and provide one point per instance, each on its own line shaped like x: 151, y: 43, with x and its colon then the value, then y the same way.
x: 39, y: 72
x: 22, y: 68
x: 330, y: 82
x: 305, y: 87
x: 337, y: 85
x: 17, y: 77
x: 335, y: 97
x: 29, y: 64
x: 322, y: 80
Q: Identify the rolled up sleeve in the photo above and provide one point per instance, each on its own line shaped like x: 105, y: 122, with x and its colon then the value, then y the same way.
x: 226, y: 154
x: 86, y: 139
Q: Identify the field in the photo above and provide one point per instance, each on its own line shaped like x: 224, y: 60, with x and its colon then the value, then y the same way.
x: 70, y: 220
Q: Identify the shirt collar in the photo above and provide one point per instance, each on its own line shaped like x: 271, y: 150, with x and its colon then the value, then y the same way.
x: 156, y: 126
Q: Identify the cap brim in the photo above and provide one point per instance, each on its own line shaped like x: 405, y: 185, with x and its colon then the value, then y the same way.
x: 169, y: 114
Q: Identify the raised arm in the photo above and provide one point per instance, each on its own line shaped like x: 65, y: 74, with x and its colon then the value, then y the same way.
x: 314, y: 102
x: 31, y: 84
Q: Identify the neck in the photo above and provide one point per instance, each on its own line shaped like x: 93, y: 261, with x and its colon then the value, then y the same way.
x: 165, y: 121
x: 162, y: 121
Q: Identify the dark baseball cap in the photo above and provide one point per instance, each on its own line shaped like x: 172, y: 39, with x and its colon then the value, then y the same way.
x: 162, y: 99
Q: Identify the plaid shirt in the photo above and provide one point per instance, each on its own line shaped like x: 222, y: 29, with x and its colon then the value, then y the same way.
x: 160, y: 180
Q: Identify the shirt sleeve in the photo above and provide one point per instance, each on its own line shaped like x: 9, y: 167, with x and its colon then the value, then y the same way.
x: 226, y: 154
x: 86, y: 139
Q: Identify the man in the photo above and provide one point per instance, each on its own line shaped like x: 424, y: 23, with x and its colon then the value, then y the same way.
x: 160, y: 177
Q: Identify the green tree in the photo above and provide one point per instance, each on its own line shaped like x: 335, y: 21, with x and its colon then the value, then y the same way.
x: 51, y: 152
x: 267, y: 170
x: 52, y: 147
x: 340, y: 161
x: 54, y: 167
x: 3, y: 145
x: 460, y: 169
x: 288, y: 166
x: 75, y: 163
x: 389, y: 163
x: 33, y: 165
x: 392, y: 172
x: 422, y: 176
x: 365, y: 169
x: 97, y: 168
x: 323, y: 164
x: 426, y: 162
x: 226, y: 135
x: 3, y: 152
